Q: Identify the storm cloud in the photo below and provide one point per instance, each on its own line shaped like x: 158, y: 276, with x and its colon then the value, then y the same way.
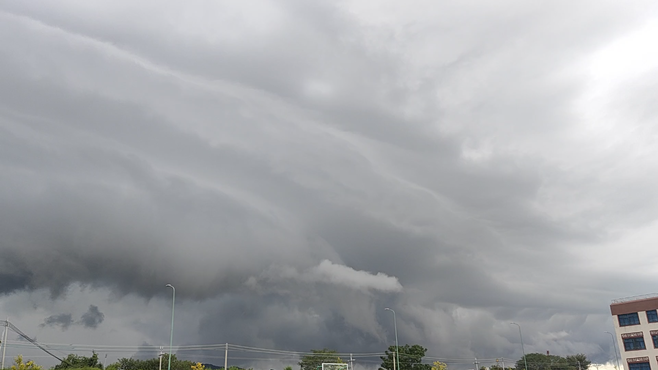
x: 92, y: 318
x: 63, y: 320
x: 295, y: 167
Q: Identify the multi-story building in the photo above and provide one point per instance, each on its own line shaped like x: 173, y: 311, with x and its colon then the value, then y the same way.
x: 636, y: 329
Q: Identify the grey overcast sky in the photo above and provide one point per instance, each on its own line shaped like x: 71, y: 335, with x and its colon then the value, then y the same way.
x: 294, y: 167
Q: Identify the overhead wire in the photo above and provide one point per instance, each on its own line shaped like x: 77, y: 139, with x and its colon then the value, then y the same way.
x: 26, y: 337
x: 259, y: 354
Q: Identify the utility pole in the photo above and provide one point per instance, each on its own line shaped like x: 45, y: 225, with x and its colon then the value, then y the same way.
x: 4, y: 343
x: 160, y: 356
x: 476, y: 364
x: 351, y: 362
x: 226, y: 357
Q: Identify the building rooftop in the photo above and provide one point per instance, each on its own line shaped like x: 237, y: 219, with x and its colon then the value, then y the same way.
x: 635, y: 298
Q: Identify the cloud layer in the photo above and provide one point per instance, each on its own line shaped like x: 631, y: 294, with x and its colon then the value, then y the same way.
x: 292, y: 168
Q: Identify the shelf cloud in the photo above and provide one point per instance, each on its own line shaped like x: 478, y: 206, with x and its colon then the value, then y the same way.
x: 294, y: 167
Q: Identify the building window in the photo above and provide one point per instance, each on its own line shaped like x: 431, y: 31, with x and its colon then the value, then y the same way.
x: 652, y: 316
x: 634, y: 344
x: 639, y: 366
x: 629, y: 319
x: 655, y: 340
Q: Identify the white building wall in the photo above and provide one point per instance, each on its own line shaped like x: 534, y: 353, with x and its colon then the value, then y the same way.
x: 645, y: 327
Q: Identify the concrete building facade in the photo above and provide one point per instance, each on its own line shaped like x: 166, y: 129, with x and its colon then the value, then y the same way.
x: 636, y: 331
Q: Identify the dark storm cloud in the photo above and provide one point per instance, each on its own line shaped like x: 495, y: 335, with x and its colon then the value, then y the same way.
x: 92, y: 318
x: 63, y: 320
x: 12, y: 282
x: 293, y: 168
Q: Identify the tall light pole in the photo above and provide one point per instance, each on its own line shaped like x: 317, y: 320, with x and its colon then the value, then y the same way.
x: 171, y: 335
x: 614, y: 347
x: 397, y: 353
x: 522, y: 349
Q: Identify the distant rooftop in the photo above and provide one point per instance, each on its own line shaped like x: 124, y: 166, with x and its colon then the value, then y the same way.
x: 635, y: 298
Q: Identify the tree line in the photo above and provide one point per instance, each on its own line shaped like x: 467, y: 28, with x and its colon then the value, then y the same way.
x: 540, y: 361
x: 76, y: 362
x: 409, y: 357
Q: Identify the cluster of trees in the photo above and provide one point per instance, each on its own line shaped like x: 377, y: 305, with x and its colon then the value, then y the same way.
x: 499, y: 367
x: 75, y: 362
x: 540, y: 361
x: 79, y: 362
x: 409, y: 357
x: 151, y: 364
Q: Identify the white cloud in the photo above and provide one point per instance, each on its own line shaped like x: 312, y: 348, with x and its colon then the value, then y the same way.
x: 328, y: 272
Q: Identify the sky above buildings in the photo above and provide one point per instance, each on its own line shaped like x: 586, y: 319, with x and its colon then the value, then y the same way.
x: 294, y: 167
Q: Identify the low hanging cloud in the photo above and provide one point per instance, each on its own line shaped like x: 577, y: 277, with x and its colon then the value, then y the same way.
x: 331, y: 273
x: 90, y: 319
x: 63, y: 320
x: 334, y: 274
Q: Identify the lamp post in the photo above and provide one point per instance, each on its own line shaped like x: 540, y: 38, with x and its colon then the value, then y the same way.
x: 525, y: 363
x: 395, y: 326
x: 614, y: 347
x: 171, y: 335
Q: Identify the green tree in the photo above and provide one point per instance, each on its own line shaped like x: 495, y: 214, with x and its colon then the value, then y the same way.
x: 288, y: 368
x: 410, y: 357
x: 75, y: 361
x: 20, y: 365
x: 500, y: 367
x: 317, y: 357
x: 579, y: 361
x: 540, y: 361
x: 152, y: 364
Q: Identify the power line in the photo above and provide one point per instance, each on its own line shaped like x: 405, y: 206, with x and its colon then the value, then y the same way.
x: 269, y: 353
x: 24, y: 336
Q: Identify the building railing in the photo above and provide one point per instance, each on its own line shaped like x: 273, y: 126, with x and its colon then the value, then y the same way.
x: 635, y: 298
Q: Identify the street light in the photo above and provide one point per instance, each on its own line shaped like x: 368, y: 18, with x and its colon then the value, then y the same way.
x: 395, y: 326
x: 171, y: 335
x: 614, y: 347
x: 522, y: 349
